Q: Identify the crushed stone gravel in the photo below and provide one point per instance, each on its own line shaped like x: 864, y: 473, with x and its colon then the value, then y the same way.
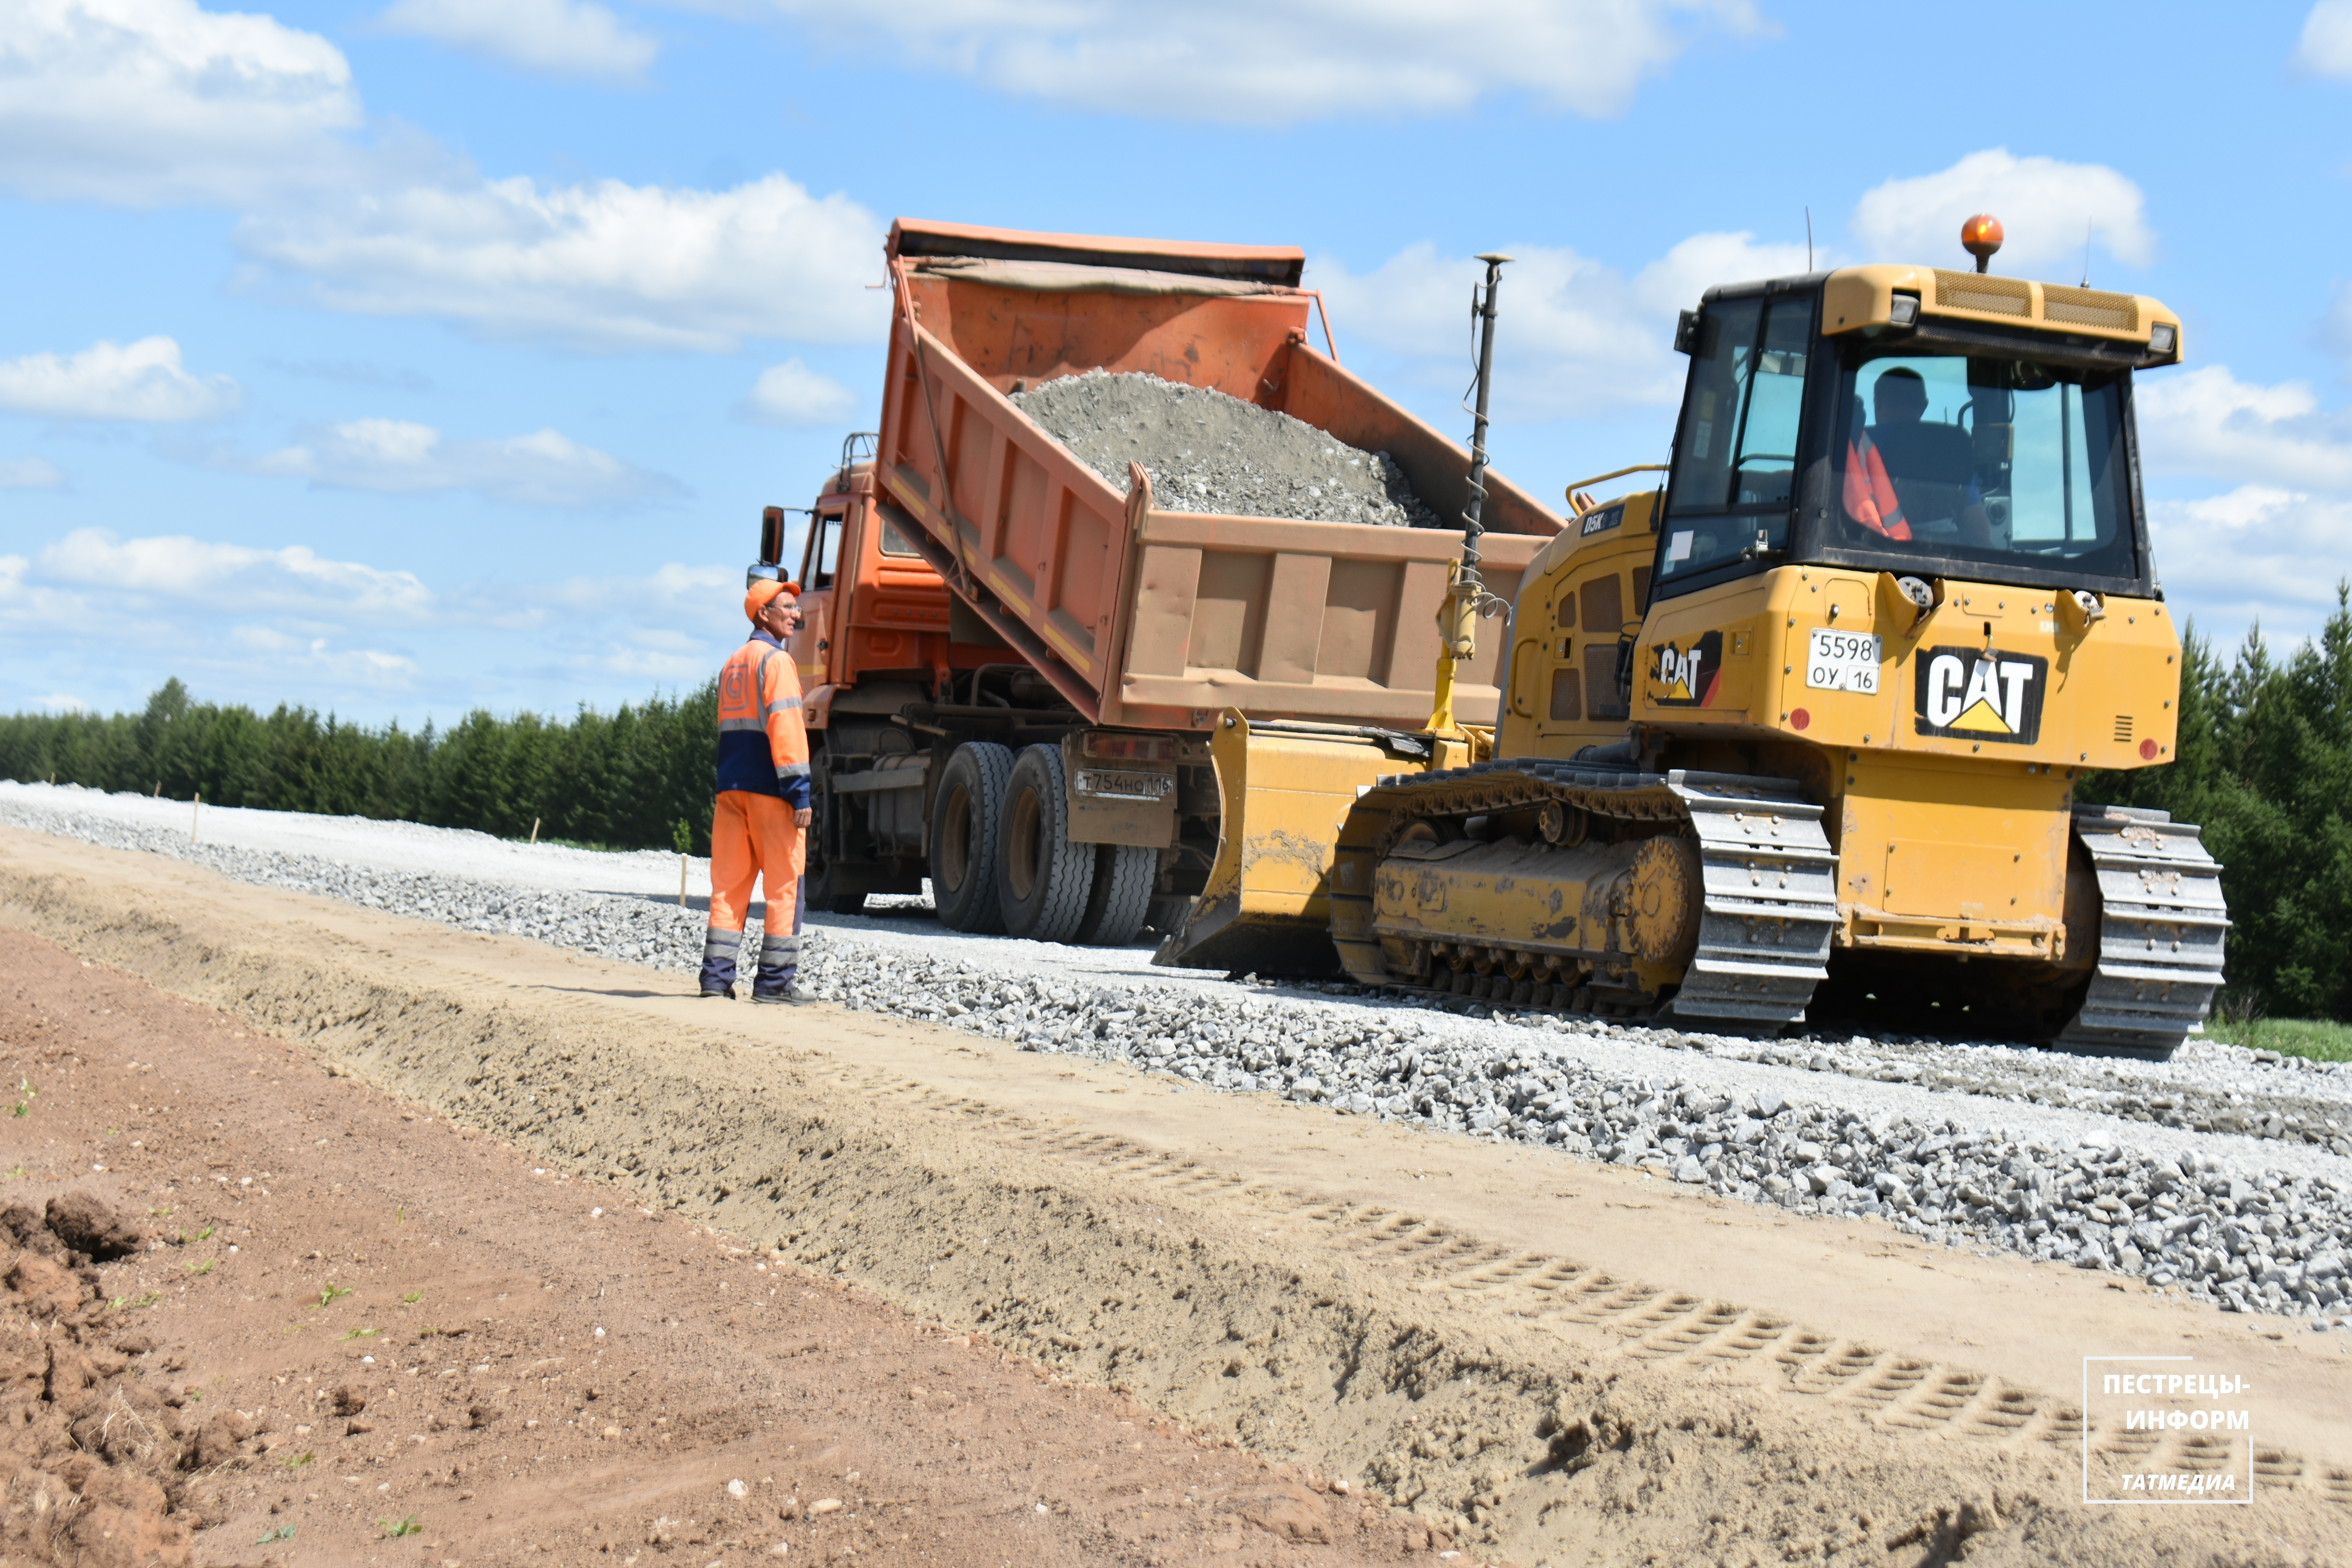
x: 2182, y: 1173
x: 1207, y: 452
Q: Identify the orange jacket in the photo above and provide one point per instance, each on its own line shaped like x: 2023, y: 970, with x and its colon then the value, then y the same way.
x: 763, y: 744
x: 1870, y: 498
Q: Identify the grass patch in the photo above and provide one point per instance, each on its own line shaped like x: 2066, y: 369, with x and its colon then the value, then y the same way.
x: 2318, y: 1039
x: 394, y: 1529
x: 332, y: 1294
x: 283, y: 1532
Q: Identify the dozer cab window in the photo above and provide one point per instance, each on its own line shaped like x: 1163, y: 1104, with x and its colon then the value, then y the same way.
x: 1979, y: 459
x: 1736, y: 468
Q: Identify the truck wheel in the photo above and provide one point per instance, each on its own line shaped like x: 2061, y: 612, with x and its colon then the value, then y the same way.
x: 1042, y: 878
x: 1125, y: 874
x: 967, y: 818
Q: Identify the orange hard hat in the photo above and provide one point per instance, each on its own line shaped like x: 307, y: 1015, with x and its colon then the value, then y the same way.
x: 756, y: 598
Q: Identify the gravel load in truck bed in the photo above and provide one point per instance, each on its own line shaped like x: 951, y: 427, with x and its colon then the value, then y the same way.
x: 1207, y: 452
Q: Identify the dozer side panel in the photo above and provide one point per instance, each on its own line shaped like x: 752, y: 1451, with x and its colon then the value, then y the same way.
x: 1580, y: 596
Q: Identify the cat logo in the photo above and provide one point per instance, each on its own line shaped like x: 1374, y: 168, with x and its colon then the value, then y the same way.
x: 1982, y: 694
x: 1686, y: 676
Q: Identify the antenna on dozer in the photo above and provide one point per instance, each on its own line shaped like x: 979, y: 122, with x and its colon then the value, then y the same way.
x: 1809, y: 239
x: 1465, y: 596
x: 2086, y: 253
x: 1482, y: 309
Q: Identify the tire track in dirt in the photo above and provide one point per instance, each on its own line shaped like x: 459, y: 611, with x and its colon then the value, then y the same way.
x: 1564, y: 1412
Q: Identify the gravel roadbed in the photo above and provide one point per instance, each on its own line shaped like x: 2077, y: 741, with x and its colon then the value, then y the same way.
x: 2219, y: 1173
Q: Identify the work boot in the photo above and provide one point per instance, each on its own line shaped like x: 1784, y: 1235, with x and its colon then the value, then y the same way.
x: 780, y: 959
x: 719, y: 951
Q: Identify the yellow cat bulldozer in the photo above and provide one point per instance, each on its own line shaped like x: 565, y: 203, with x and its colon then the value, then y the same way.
x: 1802, y: 726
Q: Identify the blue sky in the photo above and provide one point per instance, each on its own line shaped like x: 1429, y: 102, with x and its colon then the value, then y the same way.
x: 406, y: 356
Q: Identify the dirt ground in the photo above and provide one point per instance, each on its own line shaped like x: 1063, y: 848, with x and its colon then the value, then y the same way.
x: 1555, y: 1363
x: 357, y: 1334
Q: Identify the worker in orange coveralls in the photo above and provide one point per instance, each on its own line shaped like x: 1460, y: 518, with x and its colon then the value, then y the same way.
x: 756, y: 831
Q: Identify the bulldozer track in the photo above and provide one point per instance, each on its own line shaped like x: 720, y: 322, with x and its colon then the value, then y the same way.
x: 1771, y: 899
x: 1769, y: 874
x: 2162, y: 924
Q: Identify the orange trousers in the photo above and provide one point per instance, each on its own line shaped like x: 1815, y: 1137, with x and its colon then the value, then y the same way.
x: 753, y: 836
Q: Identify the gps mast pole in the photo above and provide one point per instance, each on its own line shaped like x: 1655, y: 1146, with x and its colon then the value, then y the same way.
x: 1457, y: 616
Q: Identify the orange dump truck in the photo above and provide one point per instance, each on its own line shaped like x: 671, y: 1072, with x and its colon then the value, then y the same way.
x: 1014, y: 667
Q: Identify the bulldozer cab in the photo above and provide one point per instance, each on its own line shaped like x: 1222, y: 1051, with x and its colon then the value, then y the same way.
x: 1931, y: 423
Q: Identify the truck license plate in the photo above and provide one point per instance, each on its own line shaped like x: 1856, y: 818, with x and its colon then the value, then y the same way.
x: 1106, y: 785
x: 1844, y: 661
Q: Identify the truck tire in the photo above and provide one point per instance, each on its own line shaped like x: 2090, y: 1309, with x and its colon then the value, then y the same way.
x: 1125, y: 875
x: 1042, y: 878
x: 967, y: 822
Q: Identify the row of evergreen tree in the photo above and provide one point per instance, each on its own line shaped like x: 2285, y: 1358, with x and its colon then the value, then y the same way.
x: 638, y: 778
x: 2264, y: 764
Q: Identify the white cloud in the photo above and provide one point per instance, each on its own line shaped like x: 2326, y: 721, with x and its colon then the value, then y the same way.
x: 2208, y: 422
x: 2326, y: 47
x: 792, y: 394
x: 175, y: 570
x: 142, y: 381
x: 603, y: 266
x: 159, y: 102
x: 2046, y: 207
x: 30, y: 474
x: 2258, y: 551
x: 2273, y: 547
x: 1281, y: 61
x: 62, y: 702
x: 1578, y: 338
x: 394, y: 457
x: 558, y: 38
x: 315, y: 659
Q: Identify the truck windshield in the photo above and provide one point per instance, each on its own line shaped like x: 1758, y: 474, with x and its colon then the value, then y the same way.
x: 1995, y: 460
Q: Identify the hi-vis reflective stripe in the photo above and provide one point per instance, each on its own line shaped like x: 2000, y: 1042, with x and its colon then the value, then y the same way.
x: 780, y: 944
x: 726, y: 724
x: 759, y: 680
x: 794, y: 771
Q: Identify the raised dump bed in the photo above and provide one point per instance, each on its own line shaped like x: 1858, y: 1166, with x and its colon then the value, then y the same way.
x: 1139, y: 612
